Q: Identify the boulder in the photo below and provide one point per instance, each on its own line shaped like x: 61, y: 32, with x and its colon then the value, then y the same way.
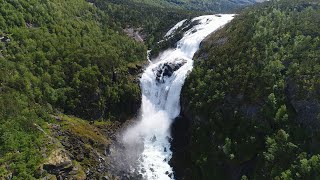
x: 105, y: 178
x: 153, y: 139
x: 167, y: 69
x: 58, y: 162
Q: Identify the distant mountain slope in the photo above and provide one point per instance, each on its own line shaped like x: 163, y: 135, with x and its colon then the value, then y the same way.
x: 145, y: 16
x: 202, y: 5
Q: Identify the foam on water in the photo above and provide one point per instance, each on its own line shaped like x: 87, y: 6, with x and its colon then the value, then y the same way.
x: 174, y: 28
x: 160, y: 99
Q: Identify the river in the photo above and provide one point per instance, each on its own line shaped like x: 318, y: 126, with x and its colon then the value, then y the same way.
x: 161, y: 85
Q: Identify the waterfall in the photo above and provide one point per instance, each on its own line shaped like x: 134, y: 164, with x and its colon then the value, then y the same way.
x: 161, y: 85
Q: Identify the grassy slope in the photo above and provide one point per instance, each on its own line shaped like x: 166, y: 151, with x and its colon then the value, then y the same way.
x: 85, y: 143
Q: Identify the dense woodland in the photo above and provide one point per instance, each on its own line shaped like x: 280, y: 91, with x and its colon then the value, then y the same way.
x: 254, y: 96
x: 69, y: 57
x: 217, y: 6
x: 60, y: 57
x: 72, y: 57
x: 153, y: 20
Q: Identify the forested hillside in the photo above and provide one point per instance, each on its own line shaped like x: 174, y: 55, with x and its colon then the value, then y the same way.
x: 216, y: 6
x: 59, y: 56
x: 69, y: 57
x: 69, y: 79
x: 253, y: 97
x: 150, y: 20
x: 155, y: 17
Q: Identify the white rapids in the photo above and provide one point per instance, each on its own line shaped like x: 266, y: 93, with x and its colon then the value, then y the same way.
x: 161, y: 97
x: 174, y: 28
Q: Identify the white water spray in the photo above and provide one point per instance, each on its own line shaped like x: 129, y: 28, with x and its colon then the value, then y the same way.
x: 161, y: 85
x: 174, y: 28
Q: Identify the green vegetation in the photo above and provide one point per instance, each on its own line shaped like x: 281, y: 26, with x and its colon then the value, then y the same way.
x: 255, y: 88
x: 20, y: 140
x: 64, y: 54
x: 72, y: 57
x: 216, y: 6
x: 85, y: 141
x: 154, y: 21
x: 81, y: 128
x: 69, y: 57
x: 59, y: 56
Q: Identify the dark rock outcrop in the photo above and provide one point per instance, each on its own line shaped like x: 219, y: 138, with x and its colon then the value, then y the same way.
x: 166, y: 70
x: 135, y: 33
x: 180, y: 161
x: 82, y: 149
x: 307, y: 108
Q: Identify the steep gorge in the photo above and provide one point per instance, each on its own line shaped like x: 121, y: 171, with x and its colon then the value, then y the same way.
x: 249, y: 109
x: 161, y: 85
x: 252, y: 100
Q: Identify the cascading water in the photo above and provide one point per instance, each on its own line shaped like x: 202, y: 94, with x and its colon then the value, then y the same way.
x: 161, y: 85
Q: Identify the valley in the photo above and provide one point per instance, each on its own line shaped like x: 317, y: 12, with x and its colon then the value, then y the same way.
x: 143, y: 89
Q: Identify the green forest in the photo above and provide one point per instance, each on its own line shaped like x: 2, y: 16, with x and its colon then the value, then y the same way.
x: 70, y: 57
x: 154, y: 20
x: 217, y: 6
x: 255, y: 86
x: 60, y: 56
x: 254, y: 96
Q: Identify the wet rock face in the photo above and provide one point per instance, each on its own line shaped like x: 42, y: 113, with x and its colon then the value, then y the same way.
x: 180, y: 161
x: 122, y: 157
x: 166, y: 70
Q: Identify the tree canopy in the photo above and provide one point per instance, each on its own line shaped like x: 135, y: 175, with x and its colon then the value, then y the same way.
x: 256, y: 87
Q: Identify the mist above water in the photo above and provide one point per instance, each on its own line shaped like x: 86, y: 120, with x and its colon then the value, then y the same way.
x: 161, y: 85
